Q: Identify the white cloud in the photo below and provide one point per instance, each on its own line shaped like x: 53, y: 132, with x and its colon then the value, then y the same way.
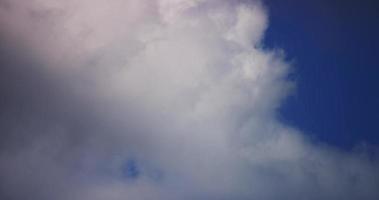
x: 183, y: 87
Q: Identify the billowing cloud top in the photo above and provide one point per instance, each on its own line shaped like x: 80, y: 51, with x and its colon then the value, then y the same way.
x: 155, y: 99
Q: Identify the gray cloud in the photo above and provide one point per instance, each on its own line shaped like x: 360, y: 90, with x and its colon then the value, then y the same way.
x: 165, y: 99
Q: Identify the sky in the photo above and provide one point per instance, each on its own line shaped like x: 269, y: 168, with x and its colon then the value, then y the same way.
x: 188, y: 99
x: 333, y: 48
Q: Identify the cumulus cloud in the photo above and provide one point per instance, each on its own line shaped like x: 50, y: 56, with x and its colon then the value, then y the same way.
x: 163, y: 99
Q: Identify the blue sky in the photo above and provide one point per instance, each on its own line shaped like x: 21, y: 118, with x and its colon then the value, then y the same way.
x: 334, y: 48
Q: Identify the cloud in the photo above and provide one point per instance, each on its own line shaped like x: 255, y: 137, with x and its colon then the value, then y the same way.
x: 164, y: 99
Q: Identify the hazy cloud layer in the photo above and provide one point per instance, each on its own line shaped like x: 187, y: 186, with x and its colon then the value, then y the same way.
x: 163, y: 99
